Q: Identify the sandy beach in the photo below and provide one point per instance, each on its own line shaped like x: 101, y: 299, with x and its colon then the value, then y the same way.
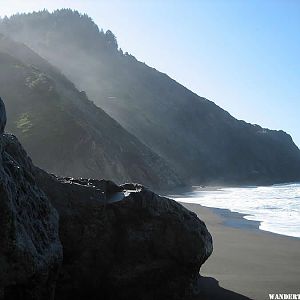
x: 247, y: 263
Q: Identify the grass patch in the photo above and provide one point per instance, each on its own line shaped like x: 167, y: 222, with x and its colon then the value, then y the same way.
x: 24, y: 123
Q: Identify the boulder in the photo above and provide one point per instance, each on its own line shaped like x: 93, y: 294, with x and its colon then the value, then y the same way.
x: 124, y: 242
x: 30, y: 250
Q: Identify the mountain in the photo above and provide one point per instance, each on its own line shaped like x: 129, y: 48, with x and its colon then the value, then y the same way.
x: 64, y: 132
x: 201, y: 141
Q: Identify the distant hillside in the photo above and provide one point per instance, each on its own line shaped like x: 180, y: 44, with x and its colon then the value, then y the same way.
x: 64, y: 131
x: 201, y: 141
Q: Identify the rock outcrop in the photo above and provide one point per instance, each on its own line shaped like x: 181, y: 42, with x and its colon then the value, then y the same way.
x: 119, y: 242
x: 30, y: 249
x: 124, y: 242
x: 2, y: 116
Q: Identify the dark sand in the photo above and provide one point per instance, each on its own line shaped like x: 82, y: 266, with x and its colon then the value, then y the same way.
x: 246, y: 262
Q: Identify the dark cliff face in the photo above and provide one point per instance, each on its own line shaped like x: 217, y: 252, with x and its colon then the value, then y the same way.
x: 2, y: 116
x: 30, y: 249
x: 118, y: 242
x: 64, y: 132
x: 200, y: 140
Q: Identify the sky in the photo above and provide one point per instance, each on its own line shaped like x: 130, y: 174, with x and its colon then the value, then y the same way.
x: 242, y: 54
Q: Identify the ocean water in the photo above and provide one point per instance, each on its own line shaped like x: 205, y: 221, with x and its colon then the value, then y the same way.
x: 276, y: 207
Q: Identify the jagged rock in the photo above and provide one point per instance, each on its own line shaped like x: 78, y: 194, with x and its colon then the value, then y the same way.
x: 2, y: 116
x: 132, y: 244
x: 30, y: 250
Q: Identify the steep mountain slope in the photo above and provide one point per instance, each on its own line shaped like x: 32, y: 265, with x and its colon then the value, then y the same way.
x: 204, y: 143
x: 66, y: 133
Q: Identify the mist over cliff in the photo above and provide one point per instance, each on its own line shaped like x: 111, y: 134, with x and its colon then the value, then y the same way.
x: 200, y: 141
x: 64, y: 132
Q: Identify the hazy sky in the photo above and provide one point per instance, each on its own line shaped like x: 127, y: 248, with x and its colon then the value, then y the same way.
x: 244, y: 55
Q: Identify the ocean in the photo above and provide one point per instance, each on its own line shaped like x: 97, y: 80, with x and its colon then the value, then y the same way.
x: 276, y: 207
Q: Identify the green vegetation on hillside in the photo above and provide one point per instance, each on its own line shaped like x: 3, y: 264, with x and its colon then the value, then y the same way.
x: 64, y: 132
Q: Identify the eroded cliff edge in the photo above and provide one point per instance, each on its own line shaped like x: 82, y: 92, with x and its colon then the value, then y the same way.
x: 65, y: 238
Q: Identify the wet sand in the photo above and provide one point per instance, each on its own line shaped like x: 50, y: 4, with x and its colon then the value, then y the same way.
x: 246, y: 262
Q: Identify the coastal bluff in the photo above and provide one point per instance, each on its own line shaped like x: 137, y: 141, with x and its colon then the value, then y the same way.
x: 66, y: 238
x: 198, y: 140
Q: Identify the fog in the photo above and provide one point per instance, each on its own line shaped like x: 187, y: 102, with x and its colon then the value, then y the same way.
x: 198, y: 139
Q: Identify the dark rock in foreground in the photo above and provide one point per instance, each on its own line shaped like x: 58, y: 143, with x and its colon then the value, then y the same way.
x: 119, y: 242
x: 124, y: 242
x: 2, y: 116
x: 30, y: 249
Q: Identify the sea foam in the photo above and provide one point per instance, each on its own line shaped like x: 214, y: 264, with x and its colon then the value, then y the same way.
x: 276, y: 207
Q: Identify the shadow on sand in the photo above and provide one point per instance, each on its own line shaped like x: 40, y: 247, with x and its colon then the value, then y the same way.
x: 208, y: 289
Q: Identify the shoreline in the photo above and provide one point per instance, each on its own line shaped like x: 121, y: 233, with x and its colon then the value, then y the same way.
x: 230, y: 218
x: 226, y: 202
x: 178, y: 191
x: 236, y: 220
x: 247, y: 262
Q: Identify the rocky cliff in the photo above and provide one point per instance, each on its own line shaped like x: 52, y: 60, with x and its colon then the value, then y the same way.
x: 119, y: 242
x: 30, y: 249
